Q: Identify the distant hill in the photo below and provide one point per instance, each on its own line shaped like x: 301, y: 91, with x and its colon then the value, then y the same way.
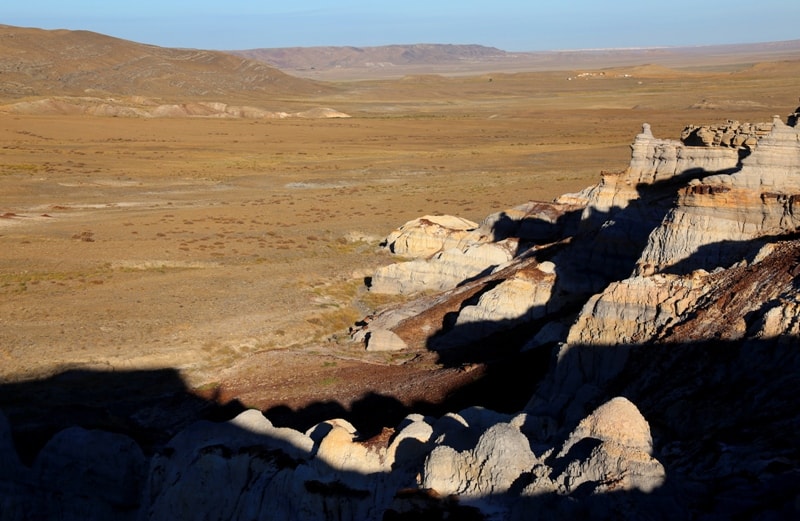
x: 36, y: 62
x: 335, y: 63
x: 388, y: 55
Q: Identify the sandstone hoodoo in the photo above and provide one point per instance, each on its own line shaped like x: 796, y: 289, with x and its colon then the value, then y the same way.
x: 664, y: 299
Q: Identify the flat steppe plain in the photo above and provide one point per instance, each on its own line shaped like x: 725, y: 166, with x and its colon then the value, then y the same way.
x: 234, y: 251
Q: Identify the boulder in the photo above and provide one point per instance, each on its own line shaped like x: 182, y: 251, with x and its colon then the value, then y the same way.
x: 247, y: 454
x: 617, y: 421
x: 500, y: 457
x: 424, y: 236
x: 411, y: 444
x: 520, y: 298
x: 609, y: 451
x: 339, y: 451
x: 384, y: 340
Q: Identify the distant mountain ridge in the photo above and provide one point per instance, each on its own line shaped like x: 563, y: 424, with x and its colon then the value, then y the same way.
x: 415, y: 54
x: 397, y: 60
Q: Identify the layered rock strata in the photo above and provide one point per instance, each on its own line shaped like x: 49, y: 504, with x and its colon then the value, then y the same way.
x: 447, y: 251
x: 719, y: 219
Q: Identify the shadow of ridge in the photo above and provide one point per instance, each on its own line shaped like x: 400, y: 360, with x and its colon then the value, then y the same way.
x: 723, y: 416
x: 370, y: 414
x: 535, y: 229
x: 205, y: 462
x: 375, y: 412
x: 727, y: 410
x: 150, y: 406
x: 726, y: 253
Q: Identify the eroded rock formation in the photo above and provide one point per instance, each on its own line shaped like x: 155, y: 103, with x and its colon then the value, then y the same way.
x: 141, y: 107
x: 666, y: 300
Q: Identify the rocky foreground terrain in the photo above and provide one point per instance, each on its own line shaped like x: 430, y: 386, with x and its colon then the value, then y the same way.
x: 663, y: 301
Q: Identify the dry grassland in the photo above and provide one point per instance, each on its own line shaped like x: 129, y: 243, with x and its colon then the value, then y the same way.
x: 208, y: 245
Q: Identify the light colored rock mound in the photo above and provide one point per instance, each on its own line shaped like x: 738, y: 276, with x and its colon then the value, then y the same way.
x: 449, y: 250
x: 140, y: 107
x: 500, y: 457
x: 608, y: 451
x: 525, y: 295
x: 617, y: 421
x: 445, y: 270
x: 425, y: 236
x: 321, y: 113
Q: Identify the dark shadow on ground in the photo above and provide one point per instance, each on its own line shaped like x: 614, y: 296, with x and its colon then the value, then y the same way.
x: 148, y: 405
x: 723, y: 416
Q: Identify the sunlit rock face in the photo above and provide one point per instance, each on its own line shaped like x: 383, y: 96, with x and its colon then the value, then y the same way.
x: 719, y: 219
x: 424, y: 236
x: 718, y: 225
x: 624, y: 208
x: 445, y: 270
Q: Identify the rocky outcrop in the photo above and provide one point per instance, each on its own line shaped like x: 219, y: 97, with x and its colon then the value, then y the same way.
x: 445, y: 270
x: 448, y: 251
x: 665, y: 302
x: 425, y: 236
x: 731, y: 134
x: 721, y: 219
x: 623, y: 209
x: 689, y: 246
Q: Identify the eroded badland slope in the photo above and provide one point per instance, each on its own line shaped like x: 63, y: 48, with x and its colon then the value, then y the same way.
x: 602, y: 345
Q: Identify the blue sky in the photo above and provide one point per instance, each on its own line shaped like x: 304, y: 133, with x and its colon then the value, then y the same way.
x: 513, y: 25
